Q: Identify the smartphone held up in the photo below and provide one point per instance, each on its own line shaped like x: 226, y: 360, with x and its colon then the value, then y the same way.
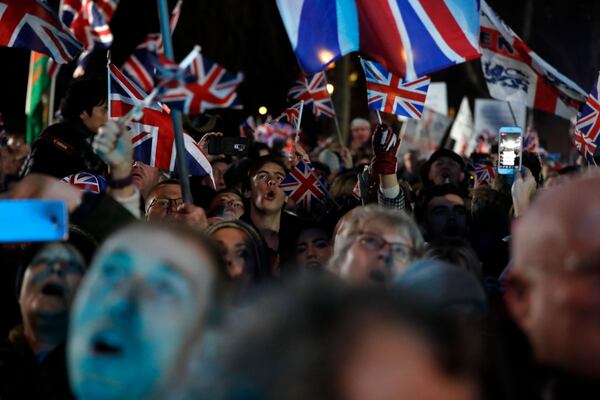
x: 510, y: 148
x: 33, y: 221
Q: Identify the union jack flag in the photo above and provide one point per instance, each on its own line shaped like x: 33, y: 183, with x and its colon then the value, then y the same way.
x: 107, y: 8
x: 291, y: 115
x: 152, y: 135
x: 303, y: 186
x: 313, y: 90
x: 274, y: 132
x: 139, y: 67
x: 31, y: 24
x: 87, y: 182
x: 387, y: 93
x: 484, y: 173
x: 417, y: 37
x: 88, y: 20
x: 587, y: 127
x: 531, y: 140
x: 214, y: 87
x: 248, y: 126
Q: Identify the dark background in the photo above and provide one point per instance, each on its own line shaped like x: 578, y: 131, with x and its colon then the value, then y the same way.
x: 248, y: 36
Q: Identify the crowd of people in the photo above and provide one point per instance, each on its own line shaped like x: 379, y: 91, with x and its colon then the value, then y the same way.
x: 428, y: 284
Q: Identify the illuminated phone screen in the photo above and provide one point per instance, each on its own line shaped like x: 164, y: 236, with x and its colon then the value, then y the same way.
x: 33, y: 220
x: 509, y: 151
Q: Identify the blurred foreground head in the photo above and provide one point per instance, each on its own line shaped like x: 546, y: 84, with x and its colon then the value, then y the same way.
x: 553, y: 291
x: 322, y: 340
x: 144, y: 300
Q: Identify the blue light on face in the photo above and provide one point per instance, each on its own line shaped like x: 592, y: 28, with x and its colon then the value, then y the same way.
x: 132, y: 315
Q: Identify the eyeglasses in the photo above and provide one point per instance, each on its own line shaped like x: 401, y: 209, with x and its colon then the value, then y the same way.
x: 374, y: 242
x: 266, y: 177
x: 165, y: 203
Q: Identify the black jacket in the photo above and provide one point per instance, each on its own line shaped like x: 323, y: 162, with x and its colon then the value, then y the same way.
x: 63, y: 149
x: 24, y: 377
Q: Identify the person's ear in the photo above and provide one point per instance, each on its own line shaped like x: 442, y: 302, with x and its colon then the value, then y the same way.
x: 84, y: 114
x: 517, y: 297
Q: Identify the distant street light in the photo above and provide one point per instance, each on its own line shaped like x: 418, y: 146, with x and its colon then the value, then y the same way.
x: 262, y: 110
x: 330, y: 88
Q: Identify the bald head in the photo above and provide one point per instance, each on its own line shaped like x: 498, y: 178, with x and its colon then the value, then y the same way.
x: 552, y: 292
x: 561, y: 228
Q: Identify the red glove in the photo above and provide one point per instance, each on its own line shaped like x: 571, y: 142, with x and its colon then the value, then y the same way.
x: 385, y: 145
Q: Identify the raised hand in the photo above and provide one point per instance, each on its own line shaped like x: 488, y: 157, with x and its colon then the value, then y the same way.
x: 385, y: 144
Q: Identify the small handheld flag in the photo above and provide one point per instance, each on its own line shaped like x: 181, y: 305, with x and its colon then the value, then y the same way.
x: 87, y: 182
x: 313, y: 90
x: 587, y: 127
x: 387, y: 93
x: 303, y: 186
x: 212, y: 87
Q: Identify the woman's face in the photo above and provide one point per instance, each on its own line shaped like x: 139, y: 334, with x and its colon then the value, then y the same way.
x: 313, y: 249
x: 236, y: 251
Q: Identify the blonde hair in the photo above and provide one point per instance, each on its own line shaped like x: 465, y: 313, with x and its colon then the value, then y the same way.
x: 353, y: 222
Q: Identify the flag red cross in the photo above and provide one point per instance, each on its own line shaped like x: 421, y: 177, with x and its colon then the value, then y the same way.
x: 393, y: 91
x: 307, y: 184
x: 593, y: 132
x: 12, y: 16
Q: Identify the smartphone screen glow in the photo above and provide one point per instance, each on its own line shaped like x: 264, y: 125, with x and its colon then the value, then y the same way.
x: 509, y: 150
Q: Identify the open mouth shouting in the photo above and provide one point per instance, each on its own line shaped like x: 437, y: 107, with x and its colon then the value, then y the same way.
x: 53, y: 289
x: 107, y: 344
x: 270, y: 195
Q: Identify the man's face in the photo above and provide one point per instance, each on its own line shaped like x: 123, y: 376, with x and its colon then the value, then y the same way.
x: 227, y: 204
x: 554, y: 289
x: 144, y: 177
x: 446, y: 217
x: 313, y: 249
x: 51, y: 280
x: 378, y: 254
x: 163, y: 202
x: 267, y: 197
x: 145, y: 295
x: 445, y: 170
x: 97, y: 118
x: 388, y: 362
x: 361, y: 133
x: 219, y: 169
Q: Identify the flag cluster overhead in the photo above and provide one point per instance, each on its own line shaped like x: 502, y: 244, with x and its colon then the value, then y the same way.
x: 152, y: 134
x: 410, y: 38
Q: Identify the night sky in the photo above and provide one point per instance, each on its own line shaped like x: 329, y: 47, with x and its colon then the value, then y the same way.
x: 248, y: 36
